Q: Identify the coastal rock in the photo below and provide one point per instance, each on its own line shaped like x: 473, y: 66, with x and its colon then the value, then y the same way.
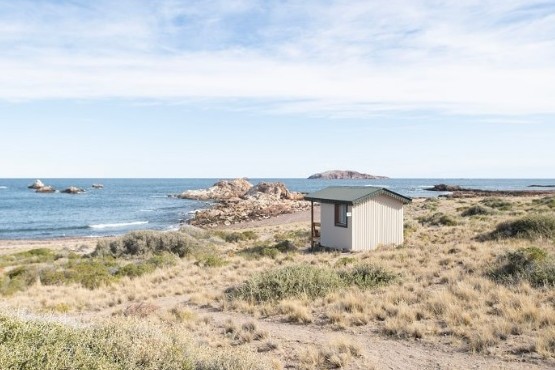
x: 344, y: 174
x: 222, y: 190
x: 97, y: 186
x: 36, y: 185
x: 274, y: 190
x: 73, y: 190
x: 445, y: 187
x: 239, y: 201
x: 45, y: 189
x: 460, y: 192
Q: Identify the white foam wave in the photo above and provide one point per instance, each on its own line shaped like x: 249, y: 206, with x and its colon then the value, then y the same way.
x: 158, y: 196
x: 121, y: 224
x: 3, y: 187
x: 146, y: 210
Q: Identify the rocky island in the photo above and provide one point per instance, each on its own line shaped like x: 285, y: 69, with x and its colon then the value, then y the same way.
x: 344, y: 174
x: 240, y: 201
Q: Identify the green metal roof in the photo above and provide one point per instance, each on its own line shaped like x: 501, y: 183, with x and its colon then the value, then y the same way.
x: 352, y: 194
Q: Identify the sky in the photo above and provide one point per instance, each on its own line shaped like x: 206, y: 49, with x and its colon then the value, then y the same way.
x: 233, y: 88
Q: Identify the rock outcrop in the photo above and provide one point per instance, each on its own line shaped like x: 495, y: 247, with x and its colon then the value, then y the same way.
x: 222, y: 190
x: 46, y: 189
x: 457, y: 191
x: 97, y: 186
x: 36, y: 185
x: 239, y: 201
x: 73, y: 190
x: 341, y: 174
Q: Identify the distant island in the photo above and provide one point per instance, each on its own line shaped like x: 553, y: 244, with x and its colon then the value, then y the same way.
x: 344, y: 174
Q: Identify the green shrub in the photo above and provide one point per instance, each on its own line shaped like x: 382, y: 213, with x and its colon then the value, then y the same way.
x: 90, y: 273
x: 18, y: 279
x: 476, y: 210
x: 234, y: 237
x: 497, y: 203
x: 38, y: 255
x: 545, y: 201
x: 291, y: 281
x: 531, y: 264
x: 116, y: 345
x: 270, y: 251
x: 139, y: 243
x: 307, y: 281
x: 438, y: 219
x: 367, y: 276
x: 529, y: 227
x: 210, y: 260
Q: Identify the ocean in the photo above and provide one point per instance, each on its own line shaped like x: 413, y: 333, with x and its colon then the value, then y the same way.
x: 135, y: 204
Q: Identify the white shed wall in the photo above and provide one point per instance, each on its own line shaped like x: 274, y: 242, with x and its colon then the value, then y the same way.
x: 377, y: 221
x: 332, y: 236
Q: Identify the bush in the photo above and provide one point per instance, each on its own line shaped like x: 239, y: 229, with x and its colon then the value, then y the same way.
x: 38, y: 255
x: 234, y: 237
x: 531, y: 264
x: 438, y: 219
x: 529, y: 227
x: 497, y: 203
x: 90, y: 273
x: 367, y: 276
x: 476, y: 210
x: 210, y: 260
x: 270, y: 251
x: 129, y: 343
x: 148, y: 242
x: 545, y: 201
x: 18, y: 279
x: 291, y: 281
x: 306, y: 281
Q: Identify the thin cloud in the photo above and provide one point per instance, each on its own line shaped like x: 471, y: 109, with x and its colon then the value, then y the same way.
x: 342, y: 58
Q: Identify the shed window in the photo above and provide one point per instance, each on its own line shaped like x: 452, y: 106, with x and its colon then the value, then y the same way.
x: 341, y: 215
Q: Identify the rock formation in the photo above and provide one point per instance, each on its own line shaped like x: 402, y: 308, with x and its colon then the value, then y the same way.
x: 73, y: 190
x: 46, y: 189
x: 36, y: 185
x: 97, y: 186
x: 340, y: 174
x: 457, y: 191
x: 240, y: 201
x: 222, y: 190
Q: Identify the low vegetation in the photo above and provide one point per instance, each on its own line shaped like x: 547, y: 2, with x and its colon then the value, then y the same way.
x: 438, y: 219
x: 531, y: 264
x: 305, y: 281
x: 528, y: 227
x: 119, y: 344
x: 476, y: 210
x: 484, y: 286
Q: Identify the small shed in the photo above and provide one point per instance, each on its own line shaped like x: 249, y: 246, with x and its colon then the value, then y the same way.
x: 357, y: 218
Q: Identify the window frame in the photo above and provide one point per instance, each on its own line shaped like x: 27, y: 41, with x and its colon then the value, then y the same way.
x: 337, y: 210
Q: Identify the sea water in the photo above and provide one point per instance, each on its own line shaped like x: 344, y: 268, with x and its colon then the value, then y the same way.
x: 135, y: 204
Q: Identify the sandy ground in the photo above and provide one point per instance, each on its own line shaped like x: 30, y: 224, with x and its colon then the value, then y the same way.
x: 74, y: 244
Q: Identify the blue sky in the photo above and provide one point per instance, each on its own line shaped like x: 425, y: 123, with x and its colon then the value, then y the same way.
x: 277, y: 88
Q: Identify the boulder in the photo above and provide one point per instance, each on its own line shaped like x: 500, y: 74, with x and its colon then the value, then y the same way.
x: 445, y: 187
x: 46, y: 189
x: 73, y: 190
x: 36, y: 185
x: 222, y: 190
x: 97, y: 186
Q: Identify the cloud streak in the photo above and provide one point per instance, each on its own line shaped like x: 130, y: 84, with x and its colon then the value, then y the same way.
x: 481, y: 57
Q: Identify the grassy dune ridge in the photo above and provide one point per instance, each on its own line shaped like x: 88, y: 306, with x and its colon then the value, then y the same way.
x: 474, y: 275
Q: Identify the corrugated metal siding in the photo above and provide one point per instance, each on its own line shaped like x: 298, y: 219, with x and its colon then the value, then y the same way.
x: 332, y: 236
x: 377, y: 221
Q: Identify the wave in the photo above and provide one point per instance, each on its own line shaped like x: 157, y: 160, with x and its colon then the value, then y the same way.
x: 146, y: 210
x: 3, y: 187
x: 43, y: 229
x: 117, y: 225
x: 158, y: 196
